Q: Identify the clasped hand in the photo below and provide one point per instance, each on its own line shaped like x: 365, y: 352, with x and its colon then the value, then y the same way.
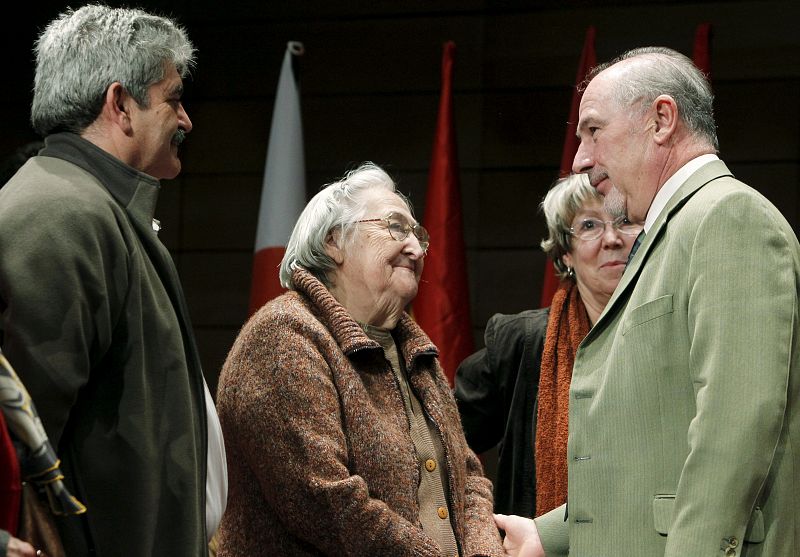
x: 521, y: 536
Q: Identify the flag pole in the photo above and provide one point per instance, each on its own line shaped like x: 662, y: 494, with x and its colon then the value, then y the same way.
x: 283, y: 193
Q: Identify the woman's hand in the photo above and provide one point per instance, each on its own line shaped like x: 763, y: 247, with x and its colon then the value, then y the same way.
x: 18, y: 548
x: 521, y: 536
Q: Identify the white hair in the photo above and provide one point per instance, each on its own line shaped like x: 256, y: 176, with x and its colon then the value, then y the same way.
x: 336, y: 207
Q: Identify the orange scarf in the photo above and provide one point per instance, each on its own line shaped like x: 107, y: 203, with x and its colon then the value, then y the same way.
x: 567, y: 326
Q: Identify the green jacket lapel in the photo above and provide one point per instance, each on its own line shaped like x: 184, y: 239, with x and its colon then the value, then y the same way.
x: 700, y: 178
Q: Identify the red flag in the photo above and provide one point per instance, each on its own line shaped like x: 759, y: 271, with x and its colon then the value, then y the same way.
x: 587, y: 62
x: 10, y: 481
x: 442, y: 304
x: 283, y: 193
x: 701, y: 53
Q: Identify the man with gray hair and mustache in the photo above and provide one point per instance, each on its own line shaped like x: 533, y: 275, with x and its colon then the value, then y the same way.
x: 91, y: 308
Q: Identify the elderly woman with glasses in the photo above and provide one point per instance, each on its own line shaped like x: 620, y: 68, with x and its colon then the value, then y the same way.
x: 515, y: 391
x: 343, y: 437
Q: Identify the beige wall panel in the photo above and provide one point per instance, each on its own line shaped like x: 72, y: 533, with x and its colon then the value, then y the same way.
x: 779, y: 182
x: 220, y: 211
x: 758, y: 120
x: 214, y: 344
x: 505, y: 281
x: 525, y: 128
x: 217, y: 286
x: 228, y: 137
x: 509, y: 205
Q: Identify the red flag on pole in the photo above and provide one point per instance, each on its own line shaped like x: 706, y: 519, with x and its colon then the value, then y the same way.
x: 701, y: 53
x: 587, y: 62
x: 283, y: 193
x: 442, y: 304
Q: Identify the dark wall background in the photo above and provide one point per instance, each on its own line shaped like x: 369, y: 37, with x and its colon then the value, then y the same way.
x: 370, y: 86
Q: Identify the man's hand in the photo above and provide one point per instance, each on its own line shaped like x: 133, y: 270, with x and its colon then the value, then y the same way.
x: 522, y: 537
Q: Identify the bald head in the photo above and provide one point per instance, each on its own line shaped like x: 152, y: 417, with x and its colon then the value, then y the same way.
x: 639, y: 76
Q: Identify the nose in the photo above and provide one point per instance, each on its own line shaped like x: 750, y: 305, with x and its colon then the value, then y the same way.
x: 183, y: 119
x: 611, y: 238
x: 412, y: 247
x: 583, y: 160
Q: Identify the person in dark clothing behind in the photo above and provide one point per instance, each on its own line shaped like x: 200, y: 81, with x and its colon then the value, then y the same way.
x: 26, y: 455
x: 92, y: 312
x: 10, y: 545
x: 501, y: 395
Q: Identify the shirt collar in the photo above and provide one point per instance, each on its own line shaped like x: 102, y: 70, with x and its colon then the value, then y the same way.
x: 672, y: 185
x: 134, y: 190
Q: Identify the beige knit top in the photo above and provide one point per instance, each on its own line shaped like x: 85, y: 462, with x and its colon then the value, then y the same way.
x: 434, y: 512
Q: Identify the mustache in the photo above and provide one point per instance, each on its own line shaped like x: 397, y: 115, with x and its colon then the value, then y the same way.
x: 597, y: 176
x: 178, y: 137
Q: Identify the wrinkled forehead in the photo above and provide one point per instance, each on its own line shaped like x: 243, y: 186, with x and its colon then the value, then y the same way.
x: 600, y: 89
x: 607, y: 83
x: 592, y: 208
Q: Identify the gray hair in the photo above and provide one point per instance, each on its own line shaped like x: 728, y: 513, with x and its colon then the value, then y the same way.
x: 668, y: 72
x: 336, y: 207
x: 567, y: 196
x: 82, y: 52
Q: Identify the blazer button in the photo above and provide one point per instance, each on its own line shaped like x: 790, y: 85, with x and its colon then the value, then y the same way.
x: 430, y: 465
x: 730, y: 542
x: 442, y: 512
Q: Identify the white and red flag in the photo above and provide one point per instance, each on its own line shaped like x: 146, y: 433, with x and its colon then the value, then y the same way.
x: 283, y: 193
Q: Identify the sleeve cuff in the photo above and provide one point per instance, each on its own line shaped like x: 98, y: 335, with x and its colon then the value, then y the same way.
x: 554, y: 532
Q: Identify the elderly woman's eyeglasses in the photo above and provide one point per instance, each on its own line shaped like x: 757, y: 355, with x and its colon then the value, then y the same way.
x: 592, y: 229
x: 399, y: 229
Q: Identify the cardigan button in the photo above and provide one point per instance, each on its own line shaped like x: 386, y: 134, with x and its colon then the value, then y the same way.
x: 442, y: 512
x: 430, y: 465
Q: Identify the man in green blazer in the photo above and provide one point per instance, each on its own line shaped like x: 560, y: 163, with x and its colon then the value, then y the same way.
x: 684, y: 424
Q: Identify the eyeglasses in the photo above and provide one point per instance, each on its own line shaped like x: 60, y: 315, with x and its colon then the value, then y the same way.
x: 399, y: 229
x: 592, y: 229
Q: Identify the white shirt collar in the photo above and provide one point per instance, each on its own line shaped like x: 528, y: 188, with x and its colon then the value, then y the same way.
x: 672, y: 185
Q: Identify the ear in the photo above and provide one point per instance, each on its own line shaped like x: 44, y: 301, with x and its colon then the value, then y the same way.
x: 332, y: 247
x: 117, y: 106
x: 665, y: 117
x: 566, y: 259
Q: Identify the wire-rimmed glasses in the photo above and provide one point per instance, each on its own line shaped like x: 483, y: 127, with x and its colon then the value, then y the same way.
x: 589, y: 229
x: 400, y: 228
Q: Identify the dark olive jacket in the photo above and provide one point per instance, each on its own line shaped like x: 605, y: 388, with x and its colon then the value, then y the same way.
x: 497, y: 393
x: 93, y: 316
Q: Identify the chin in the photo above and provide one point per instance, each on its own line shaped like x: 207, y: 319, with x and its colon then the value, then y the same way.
x: 169, y: 173
x: 407, y: 294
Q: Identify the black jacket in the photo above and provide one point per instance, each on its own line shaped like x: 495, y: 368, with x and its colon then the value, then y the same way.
x: 497, y: 390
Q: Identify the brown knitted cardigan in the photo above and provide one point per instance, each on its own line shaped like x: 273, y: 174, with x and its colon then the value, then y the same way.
x: 320, y: 459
